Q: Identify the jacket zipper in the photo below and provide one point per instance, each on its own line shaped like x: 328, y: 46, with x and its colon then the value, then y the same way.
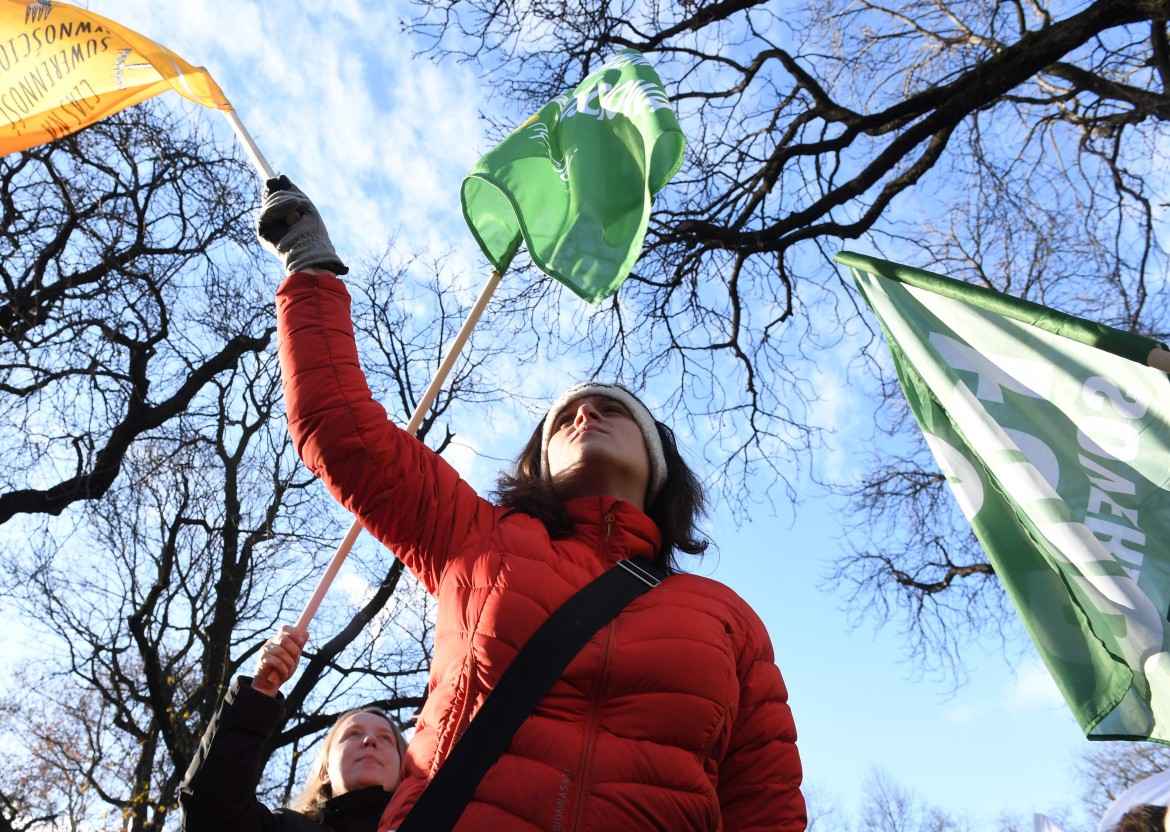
x: 598, y: 693
x: 594, y: 718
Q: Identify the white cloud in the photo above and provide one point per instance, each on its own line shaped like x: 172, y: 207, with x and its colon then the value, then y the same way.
x: 333, y: 97
x: 1034, y: 688
x: 1029, y: 689
x: 356, y: 589
x: 966, y: 714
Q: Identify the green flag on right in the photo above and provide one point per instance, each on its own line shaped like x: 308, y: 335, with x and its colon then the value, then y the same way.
x: 1055, y: 438
x: 576, y: 180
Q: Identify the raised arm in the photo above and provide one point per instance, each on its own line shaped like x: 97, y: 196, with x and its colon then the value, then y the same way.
x: 218, y: 793
x: 400, y: 490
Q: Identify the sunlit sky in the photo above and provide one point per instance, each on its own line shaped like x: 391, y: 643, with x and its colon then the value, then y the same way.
x: 381, y: 141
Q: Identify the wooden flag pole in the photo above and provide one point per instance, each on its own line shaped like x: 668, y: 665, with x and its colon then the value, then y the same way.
x: 1159, y: 359
x: 245, y: 138
x: 420, y: 410
x: 424, y: 404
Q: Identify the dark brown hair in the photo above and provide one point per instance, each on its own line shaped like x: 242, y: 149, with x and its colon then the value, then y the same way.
x: 1145, y: 817
x: 676, y: 511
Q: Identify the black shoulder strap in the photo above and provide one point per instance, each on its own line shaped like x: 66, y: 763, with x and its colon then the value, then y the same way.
x: 524, y: 683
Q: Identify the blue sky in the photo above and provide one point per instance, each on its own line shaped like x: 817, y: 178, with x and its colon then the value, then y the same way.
x: 381, y: 141
x: 1002, y: 743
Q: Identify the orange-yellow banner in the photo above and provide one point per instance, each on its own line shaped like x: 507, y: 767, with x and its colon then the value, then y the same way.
x: 63, y: 68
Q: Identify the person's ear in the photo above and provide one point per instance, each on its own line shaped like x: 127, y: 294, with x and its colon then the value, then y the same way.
x: 324, y: 775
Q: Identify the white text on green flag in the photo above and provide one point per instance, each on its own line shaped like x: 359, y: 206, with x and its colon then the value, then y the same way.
x: 1055, y: 439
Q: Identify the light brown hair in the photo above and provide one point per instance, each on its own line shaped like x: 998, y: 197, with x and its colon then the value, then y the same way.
x: 317, y: 790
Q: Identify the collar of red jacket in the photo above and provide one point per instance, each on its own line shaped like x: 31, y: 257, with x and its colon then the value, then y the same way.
x: 631, y: 533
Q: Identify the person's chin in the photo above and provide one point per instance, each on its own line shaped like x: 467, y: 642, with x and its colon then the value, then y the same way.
x: 367, y: 782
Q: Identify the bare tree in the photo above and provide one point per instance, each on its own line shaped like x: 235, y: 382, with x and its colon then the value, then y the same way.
x: 914, y: 562
x: 154, y: 588
x: 100, y: 234
x: 890, y: 807
x: 163, y: 589
x: 1108, y: 769
x: 1007, y: 143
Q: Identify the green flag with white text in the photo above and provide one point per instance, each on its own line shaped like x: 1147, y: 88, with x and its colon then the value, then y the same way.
x: 575, y: 181
x: 1055, y: 438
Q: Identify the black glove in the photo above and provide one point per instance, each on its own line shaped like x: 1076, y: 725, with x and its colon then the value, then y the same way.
x: 290, y: 227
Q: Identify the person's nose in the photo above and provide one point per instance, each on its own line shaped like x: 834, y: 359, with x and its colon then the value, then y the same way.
x: 586, y: 412
x: 370, y: 739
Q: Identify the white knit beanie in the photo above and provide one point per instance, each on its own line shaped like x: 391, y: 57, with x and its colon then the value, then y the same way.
x: 637, y: 410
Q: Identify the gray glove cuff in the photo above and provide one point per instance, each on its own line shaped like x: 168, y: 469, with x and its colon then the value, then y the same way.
x: 290, y: 227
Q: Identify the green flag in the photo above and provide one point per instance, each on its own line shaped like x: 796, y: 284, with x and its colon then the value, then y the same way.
x: 576, y: 180
x: 1055, y: 439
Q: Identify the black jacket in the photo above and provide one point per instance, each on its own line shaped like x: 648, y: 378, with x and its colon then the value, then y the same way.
x: 219, y: 790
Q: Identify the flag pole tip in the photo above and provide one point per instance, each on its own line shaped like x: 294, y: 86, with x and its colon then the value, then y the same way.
x: 1159, y: 359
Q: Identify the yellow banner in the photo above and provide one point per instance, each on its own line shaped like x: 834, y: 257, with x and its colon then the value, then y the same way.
x: 63, y: 68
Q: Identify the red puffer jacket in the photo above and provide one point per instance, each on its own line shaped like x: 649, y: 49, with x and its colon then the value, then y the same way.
x: 673, y: 718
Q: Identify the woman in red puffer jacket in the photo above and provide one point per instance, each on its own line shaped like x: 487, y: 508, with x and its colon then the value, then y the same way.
x: 674, y: 717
